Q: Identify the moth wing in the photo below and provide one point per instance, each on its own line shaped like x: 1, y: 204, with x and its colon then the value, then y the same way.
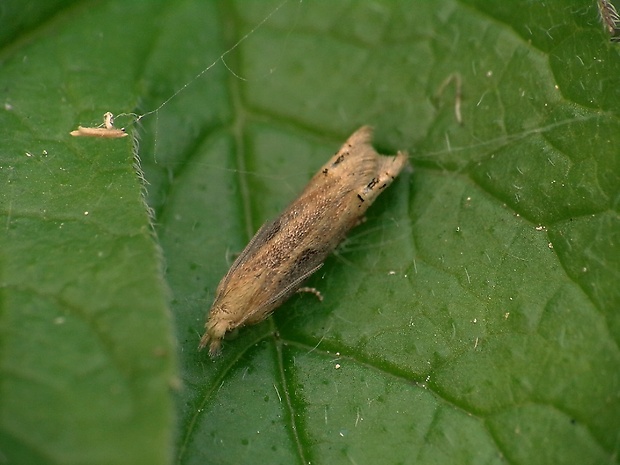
x: 263, y: 235
x: 291, y: 288
x: 280, y: 297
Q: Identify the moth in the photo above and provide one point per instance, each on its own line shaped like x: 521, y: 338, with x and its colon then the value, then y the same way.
x: 286, y: 251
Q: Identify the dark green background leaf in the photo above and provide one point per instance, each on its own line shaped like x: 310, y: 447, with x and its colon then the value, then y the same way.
x: 474, y: 317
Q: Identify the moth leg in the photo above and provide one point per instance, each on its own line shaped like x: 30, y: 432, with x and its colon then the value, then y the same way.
x: 361, y: 220
x: 312, y: 290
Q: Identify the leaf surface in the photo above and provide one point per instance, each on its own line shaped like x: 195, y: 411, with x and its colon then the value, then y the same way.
x: 473, y: 318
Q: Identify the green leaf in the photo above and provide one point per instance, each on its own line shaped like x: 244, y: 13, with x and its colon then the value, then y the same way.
x: 473, y: 318
x: 87, y: 355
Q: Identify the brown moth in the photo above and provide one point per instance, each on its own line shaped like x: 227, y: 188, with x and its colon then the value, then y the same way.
x: 287, y: 250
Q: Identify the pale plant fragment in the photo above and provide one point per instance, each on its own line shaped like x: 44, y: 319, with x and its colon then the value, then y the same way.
x: 105, y: 130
